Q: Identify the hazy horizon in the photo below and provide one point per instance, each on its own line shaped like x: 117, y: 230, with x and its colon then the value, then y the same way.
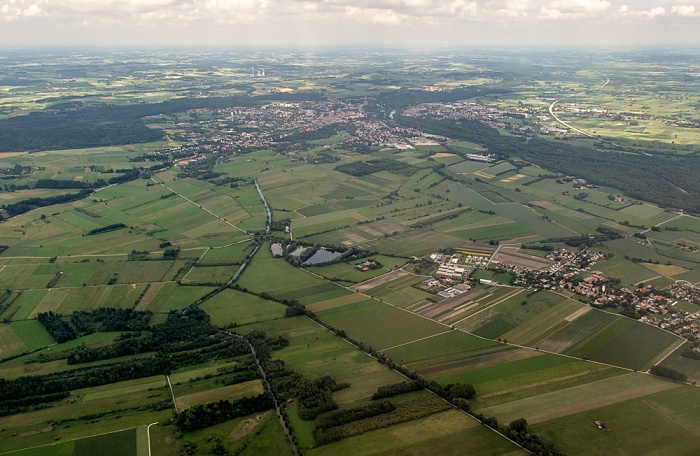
x: 343, y: 23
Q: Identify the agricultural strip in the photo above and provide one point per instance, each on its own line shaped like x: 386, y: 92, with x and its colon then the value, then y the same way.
x: 633, y: 427
x: 451, y: 431
x: 557, y: 404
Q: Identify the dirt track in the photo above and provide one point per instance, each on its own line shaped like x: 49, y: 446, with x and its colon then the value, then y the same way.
x: 381, y: 280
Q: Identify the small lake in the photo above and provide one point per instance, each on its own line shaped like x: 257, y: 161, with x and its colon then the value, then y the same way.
x: 322, y: 256
x: 277, y: 249
x: 298, y: 251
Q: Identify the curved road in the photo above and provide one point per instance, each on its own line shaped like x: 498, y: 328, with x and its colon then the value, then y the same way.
x: 551, y: 109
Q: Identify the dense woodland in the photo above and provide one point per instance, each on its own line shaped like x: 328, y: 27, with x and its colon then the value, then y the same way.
x: 362, y: 168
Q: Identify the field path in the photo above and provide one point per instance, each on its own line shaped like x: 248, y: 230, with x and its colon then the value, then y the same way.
x: 379, y: 280
x: 417, y: 340
x: 508, y: 296
x: 73, y: 440
x: 200, y: 206
x: 148, y: 434
x: 171, y: 392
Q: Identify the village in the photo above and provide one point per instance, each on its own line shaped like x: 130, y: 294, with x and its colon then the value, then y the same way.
x: 570, y: 271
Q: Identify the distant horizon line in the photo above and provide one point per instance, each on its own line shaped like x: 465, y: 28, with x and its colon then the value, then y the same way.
x: 511, y: 48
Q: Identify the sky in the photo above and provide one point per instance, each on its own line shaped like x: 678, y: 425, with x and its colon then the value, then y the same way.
x: 394, y: 23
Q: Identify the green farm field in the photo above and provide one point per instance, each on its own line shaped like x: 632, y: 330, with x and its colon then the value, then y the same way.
x: 626, y: 343
x: 389, y: 327
x: 633, y: 426
x: 67, y: 300
x: 231, y: 306
x: 162, y: 297
x: 451, y: 431
x: 314, y: 352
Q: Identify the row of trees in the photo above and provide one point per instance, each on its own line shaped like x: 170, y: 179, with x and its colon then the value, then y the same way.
x: 29, y: 204
x: 205, y: 415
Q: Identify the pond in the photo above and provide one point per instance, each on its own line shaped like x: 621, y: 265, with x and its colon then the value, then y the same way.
x: 322, y: 256
x: 298, y: 251
x: 277, y: 249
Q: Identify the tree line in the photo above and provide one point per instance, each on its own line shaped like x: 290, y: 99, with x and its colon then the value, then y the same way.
x: 205, y: 415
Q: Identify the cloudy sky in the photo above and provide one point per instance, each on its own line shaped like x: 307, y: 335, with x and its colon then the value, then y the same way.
x: 348, y: 22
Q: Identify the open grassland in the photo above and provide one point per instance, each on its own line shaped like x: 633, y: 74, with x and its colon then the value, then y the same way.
x: 252, y: 435
x: 508, y: 368
x: 451, y: 432
x: 267, y: 438
x: 314, y: 352
x: 413, y: 243
x: 660, y: 422
x: 235, y: 307
x: 477, y: 310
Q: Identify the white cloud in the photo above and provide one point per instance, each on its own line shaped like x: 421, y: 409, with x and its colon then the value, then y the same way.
x: 651, y: 13
x: 375, y: 15
x: 283, y: 20
x: 580, y: 6
x: 572, y: 9
x: 686, y: 10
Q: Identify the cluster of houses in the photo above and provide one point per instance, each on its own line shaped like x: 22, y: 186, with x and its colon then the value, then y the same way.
x: 373, y: 132
x: 368, y: 265
x: 649, y: 304
x: 459, y: 110
x: 685, y: 291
